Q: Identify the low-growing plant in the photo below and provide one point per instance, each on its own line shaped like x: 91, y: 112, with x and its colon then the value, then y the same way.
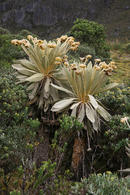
x: 9, y: 53
x: 93, y: 34
x: 101, y: 184
x: 117, y: 99
x: 82, y: 51
x: 17, y: 132
x: 116, y: 136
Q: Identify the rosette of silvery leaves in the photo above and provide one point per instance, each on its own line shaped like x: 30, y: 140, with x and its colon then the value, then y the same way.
x: 83, y: 82
x: 44, y: 60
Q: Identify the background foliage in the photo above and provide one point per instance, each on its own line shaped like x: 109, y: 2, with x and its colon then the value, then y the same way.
x: 93, y: 35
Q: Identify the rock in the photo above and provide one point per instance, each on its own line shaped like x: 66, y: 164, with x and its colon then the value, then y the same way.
x: 55, y: 14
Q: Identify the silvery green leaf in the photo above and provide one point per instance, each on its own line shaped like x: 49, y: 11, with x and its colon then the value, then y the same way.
x: 87, y: 78
x: 90, y: 113
x: 89, y: 66
x: 23, y: 70
x: 61, y: 89
x: 96, y: 124
x: 35, y: 78
x: 54, y: 94
x: 108, y: 87
x: 46, y: 105
x: 103, y: 113
x: 81, y: 114
x: 21, y: 77
x: 61, y: 105
x: 74, y: 109
x: 27, y: 64
x: 47, y: 85
x: 30, y: 87
x: 73, y: 105
x: 41, y: 98
x: 33, y: 93
x: 93, y: 101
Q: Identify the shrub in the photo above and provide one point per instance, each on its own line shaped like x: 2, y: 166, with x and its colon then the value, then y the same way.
x: 8, y: 52
x: 93, y: 34
x: 113, y: 141
x: 17, y: 130
x: 3, y: 31
x: 117, y: 100
x: 101, y: 184
x: 82, y: 51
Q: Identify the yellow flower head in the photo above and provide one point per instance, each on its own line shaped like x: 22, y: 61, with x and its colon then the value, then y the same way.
x: 42, y: 47
x: 29, y: 37
x: 97, y: 67
x: 88, y: 57
x: 66, y: 64
x: 58, y: 59
x: 57, y: 63
x: 64, y: 37
x: 97, y: 60
x: 14, y: 42
x: 82, y: 66
x: 51, y: 45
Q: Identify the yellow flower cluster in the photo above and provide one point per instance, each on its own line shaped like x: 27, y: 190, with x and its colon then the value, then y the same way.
x: 86, y: 58
x: 73, y: 45
x: 58, y: 60
x: 107, y: 68
x: 43, y: 44
x: 97, y: 61
x: 24, y: 42
x: 79, y: 67
x: 51, y: 45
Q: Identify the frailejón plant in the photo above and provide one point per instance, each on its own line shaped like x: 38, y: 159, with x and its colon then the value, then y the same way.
x: 39, y: 70
x: 83, y: 82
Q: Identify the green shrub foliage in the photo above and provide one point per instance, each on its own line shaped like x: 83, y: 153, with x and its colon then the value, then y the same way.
x: 117, y: 100
x: 8, y: 52
x: 93, y: 34
x: 17, y: 130
x: 101, y: 184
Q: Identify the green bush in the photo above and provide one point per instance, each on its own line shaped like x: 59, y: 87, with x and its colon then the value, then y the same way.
x: 82, y: 51
x: 113, y: 142
x: 9, y: 52
x: 101, y: 184
x: 93, y: 34
x: 17, y: 130
x: 24, y: 33
x: 117, y: 100
x: 3, y: 31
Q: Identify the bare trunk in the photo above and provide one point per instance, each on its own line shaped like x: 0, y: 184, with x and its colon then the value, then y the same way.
x: 42, y: 150
x: 78, y: 155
